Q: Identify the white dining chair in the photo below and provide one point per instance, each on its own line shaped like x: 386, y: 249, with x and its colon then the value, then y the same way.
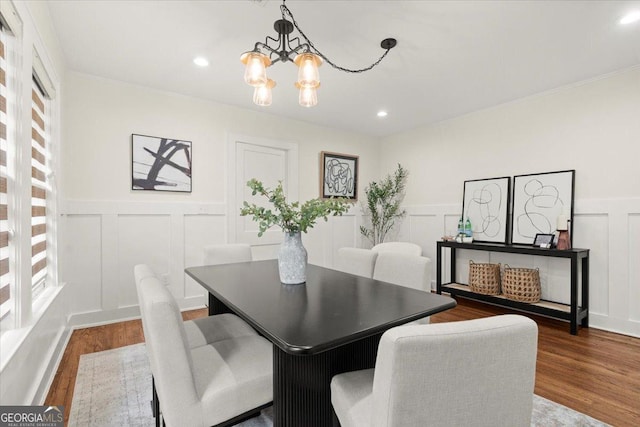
x: 199, y: 332
x: 398, y: 247
x: 203, y: 330
x: 356, y: 261
x: 411, y: 271
x: 227, y: 253
x: 471, y: 373
x: 226, y: 381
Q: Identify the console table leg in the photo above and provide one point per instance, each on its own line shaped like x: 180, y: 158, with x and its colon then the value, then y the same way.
x: 585, y: 291
x: 574, y: 295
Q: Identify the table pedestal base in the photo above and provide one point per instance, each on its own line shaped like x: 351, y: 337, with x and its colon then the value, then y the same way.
x: 301, y: 393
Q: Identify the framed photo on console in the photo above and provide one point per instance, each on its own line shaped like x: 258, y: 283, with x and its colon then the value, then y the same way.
x: 486, y: 204
x: 338, y: 175
x: 544, y: 240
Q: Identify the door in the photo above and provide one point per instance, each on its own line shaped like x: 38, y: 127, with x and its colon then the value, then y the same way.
x: 268, y: 161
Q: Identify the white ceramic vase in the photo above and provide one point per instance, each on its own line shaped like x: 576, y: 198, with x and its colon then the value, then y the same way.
x: 292, y: 259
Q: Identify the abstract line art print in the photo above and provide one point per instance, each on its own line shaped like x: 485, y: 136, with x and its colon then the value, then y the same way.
x: 160, y: 164
x: 339, y: 175
x: 538, y: 200
x: 486, y: 204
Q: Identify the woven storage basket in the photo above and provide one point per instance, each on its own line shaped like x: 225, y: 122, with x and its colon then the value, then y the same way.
x: 521, y: 284
x: 484, y: 278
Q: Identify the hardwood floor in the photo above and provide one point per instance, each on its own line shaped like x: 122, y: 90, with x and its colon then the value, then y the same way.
x: 596, y: 372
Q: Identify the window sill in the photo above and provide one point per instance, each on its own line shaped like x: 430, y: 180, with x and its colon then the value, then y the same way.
x: 12, y: 339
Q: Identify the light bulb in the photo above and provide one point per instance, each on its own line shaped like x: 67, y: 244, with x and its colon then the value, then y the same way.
x: 308, y: 74
x: 308, y: 96
x: 262, y: 94
x: 255, y: 72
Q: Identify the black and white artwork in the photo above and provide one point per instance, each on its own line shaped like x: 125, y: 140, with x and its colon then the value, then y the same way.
x: 339, y: 175
x: 486, y: 205
x: 538, y: 200
x: 160, y: 164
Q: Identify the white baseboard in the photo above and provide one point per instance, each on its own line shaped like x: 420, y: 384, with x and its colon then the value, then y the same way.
x: 105, y: 317
x: 52, y: 368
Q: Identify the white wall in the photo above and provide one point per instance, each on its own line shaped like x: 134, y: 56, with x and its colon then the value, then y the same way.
x: 592, y: 127
x: 109, y: 228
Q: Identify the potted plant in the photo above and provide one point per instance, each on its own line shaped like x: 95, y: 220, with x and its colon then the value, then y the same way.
x: 293, y: 218
x: 383, y: 205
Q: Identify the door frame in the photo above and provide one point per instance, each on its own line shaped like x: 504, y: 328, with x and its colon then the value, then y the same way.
x: 231, y: 197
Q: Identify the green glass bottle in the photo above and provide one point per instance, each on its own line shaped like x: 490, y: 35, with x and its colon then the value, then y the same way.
x: 467, y: 228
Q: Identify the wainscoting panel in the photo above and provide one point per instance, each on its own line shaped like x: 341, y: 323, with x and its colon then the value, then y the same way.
x: 83, y: 253
x: 141, y: 239
x: 199, y: 231
x: 102, y: 242
x: 591, y: 230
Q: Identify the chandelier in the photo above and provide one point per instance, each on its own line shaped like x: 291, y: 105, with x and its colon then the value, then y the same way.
x: 305, y: 55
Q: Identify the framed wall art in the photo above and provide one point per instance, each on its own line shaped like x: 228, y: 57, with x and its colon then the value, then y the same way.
x: 160, y: 164
x: 538, y: 200
x: 338, y: 175
x: 486, y: 204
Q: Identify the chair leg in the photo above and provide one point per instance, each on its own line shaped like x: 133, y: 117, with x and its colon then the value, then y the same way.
x: 155, y: 403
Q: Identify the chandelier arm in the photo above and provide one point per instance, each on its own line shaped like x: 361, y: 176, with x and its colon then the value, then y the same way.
x: 285, y: 10
x: 269, y: 49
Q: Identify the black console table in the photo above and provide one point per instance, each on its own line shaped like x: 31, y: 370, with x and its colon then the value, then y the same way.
x: 574, y: 313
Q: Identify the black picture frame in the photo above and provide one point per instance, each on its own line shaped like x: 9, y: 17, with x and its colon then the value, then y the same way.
x: 538, y: 200
x: 160, y: 164
x: 486, y: 203
x: 338, y: 175
x: 544, y: 240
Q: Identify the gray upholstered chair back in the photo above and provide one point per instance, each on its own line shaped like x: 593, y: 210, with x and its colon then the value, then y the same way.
x: 227, y: 253
x: 356, y: 261
x: 412, y: 271
x: 398, y: 247
x: 472, y: 373
x: 168, y: 351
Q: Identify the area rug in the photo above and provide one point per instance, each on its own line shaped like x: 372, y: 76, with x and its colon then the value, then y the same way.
x: 113, y: 388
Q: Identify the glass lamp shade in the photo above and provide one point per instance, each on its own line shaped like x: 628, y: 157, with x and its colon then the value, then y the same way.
x: 262, y: 94
x: 308, y: 96
x: 308, y: 74
x: 255, y: 72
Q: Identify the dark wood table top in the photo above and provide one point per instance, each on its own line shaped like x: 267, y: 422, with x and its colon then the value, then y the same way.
x: 331, y: 309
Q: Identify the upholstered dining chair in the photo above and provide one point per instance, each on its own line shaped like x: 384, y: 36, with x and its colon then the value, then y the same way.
x: 203, y: 330
x: 356, y: 261
x: 398, y: 247
x: 221, y: 383
x: 470, y: 373
x: 412, y: 271
x: 227, y: 253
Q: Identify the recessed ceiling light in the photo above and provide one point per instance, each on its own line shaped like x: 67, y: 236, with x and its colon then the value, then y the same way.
x: 382, y: 114
x: 200, y: 61
x: 630, y: 17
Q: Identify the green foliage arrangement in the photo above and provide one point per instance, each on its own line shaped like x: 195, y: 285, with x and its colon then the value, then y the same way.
x: 383, y: 205
x: 291, y: 217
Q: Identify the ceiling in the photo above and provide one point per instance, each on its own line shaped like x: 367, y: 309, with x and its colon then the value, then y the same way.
x: 452, y: 57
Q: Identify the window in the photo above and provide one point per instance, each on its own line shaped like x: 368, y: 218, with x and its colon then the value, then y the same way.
x: 39, y: 187
x: 27, y: 190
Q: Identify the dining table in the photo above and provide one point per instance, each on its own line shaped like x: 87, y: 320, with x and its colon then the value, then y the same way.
x: 328, y: 325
